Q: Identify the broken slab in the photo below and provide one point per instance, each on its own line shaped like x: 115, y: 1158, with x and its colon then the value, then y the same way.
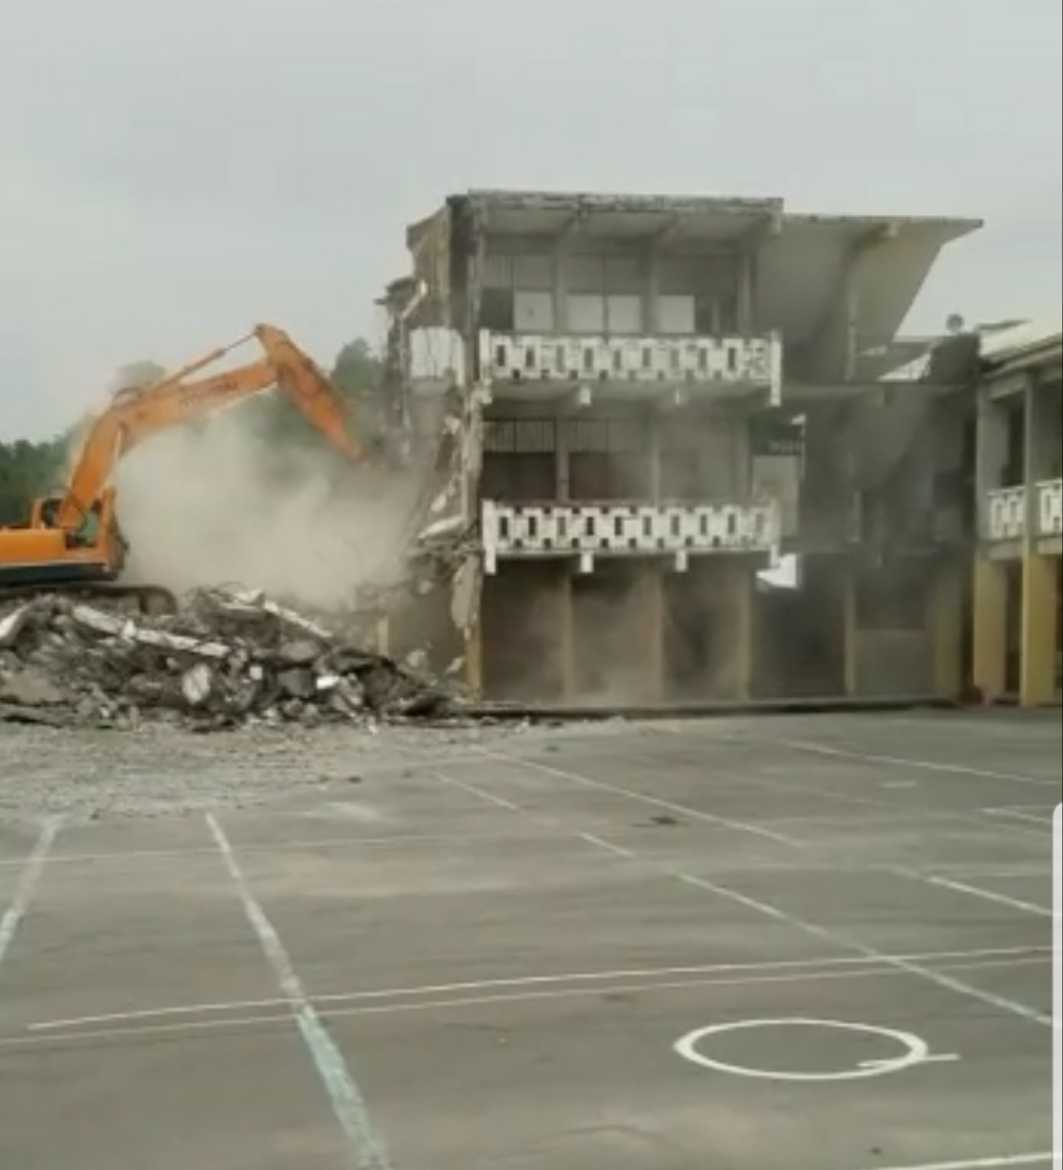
x: 49, y: 717
x: 30, y: 687
x: 297, y: 621
x: 98, y: 621
x: 182, y: 643
x: 197, y: 684
x: 11, y: 624
x: 298, y: 683
x: 298, y: 652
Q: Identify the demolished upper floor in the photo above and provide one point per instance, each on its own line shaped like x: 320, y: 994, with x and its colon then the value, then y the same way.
x: 526, y: 291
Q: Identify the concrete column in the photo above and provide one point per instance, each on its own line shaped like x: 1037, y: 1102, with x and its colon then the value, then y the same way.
x: 990, y: 453
x: 560, y: 289
x: 743, y: 578
x: 474, y: 664
x: 945, y: 625
x: 990, y: 626
x: 850, y: 631
x: 651, y: 293
x: 731, y: 616
x: 746, y: 280
x: 650, y: 608
x: 1037, y: 647
x: 561, y: 460
x: 1037, y: 656
x: 653, y: 454
x: 566, y: 642
x: 851, y: 317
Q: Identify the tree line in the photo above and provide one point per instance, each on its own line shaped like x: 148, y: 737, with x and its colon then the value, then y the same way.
x: 29, y: 470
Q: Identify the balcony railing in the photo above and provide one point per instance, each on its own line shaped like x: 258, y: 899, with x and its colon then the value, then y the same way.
x: 671, y: 361
x: 618, y: 529
x: 1050, y: 507
x: 1006, y: 513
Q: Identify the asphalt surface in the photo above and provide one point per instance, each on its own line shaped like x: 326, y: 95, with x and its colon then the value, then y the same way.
x: 776, y: 943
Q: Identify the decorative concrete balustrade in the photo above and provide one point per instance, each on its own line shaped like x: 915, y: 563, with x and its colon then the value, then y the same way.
x: 1050, y: 507
x: 754, y: 362
x: 1006, y: 512
x: 617, y: 529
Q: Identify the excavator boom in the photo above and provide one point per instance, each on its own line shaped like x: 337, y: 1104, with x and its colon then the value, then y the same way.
x: 75, y: 536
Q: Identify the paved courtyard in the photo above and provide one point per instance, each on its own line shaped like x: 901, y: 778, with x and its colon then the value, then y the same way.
x: 817, y: 942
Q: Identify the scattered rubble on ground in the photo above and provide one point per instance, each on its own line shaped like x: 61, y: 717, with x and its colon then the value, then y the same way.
x: 224, y: 659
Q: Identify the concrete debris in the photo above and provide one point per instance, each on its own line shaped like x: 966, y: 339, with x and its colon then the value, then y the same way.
x: 416, y: 660
x: 297, y: 683
x: 447, y: 528
x: 223, y: 660
x: 30, y: 687
x: 11, y: 625
x: 197, y: 682
x: 300, y: 652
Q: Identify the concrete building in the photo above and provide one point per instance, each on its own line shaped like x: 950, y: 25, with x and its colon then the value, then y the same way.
x: 660, y: 400
x: 1017, y: 590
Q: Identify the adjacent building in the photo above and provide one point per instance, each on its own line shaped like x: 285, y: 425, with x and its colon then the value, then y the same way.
x: 1017, y: 587
x: 686, y: 458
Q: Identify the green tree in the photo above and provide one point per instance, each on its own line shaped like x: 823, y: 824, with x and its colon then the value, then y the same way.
x: 356, y: 373
x: 28, y: 470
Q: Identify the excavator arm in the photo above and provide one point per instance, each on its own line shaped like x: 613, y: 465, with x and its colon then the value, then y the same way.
x: 136, y: 415
x: 74, y: 540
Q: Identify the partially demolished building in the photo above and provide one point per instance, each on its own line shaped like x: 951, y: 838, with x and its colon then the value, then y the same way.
x: 678, y: 467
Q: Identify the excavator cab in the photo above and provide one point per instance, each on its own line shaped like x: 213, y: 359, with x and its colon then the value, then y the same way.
x: 43, y: 553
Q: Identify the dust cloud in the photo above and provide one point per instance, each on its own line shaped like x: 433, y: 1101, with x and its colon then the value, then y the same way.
x: 218, y: 503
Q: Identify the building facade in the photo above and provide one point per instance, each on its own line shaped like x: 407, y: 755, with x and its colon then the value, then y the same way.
x: 1017, y: 587
x: 685, y: 475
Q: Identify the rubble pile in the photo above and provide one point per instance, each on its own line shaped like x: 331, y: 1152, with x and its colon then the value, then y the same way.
x: 224, y: 659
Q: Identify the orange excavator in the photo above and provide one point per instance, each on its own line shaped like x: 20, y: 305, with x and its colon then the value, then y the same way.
x: 73, y: 540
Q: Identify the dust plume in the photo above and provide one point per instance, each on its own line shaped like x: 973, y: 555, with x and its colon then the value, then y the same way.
x: 219, y: 503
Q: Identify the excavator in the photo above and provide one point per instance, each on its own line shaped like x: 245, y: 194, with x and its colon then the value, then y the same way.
x: 73, y: 541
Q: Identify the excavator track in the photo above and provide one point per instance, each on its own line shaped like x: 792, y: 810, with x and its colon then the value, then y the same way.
x: 151, y: 599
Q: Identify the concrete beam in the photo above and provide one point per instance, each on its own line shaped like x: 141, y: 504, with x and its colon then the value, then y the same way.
x: 667, y: 233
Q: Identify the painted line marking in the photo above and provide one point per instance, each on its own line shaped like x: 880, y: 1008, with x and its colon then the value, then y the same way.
x: 976, y: 891
x: 915, y: 1050
x: 890, y: 808
x: 1044, y: 822
x: 976, y: 1163
x: 474, y: 791
x: 591, y: 839
x: 193, y: 1026
x: 685, y: 810
x: 903, y: 762
x: 27, y: 883
x: 347, y: 1101
x: 836, y: 937
x: 932, y: 1058
x: 1006, y: 955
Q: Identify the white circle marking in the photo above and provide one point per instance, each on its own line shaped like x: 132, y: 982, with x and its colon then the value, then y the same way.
x: 916, y: 1051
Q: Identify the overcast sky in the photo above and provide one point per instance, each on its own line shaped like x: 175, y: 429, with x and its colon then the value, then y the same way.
x: 172, y: 173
